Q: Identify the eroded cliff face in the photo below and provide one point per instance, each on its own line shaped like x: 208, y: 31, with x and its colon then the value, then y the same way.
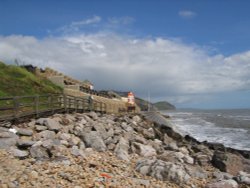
x: 95, y: 150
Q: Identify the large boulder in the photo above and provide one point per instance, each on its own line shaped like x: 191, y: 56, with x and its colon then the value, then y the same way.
x: 223, y: 184
x: 230, y: 163
x: 39, y: 152
x: 94, y: 140
x: 137, y: 119
x: 202, y: 159
x: 121, y: 149
x: 99, y: 127
x: 93, y: 115
x: 143, y: 150
x: 243, y: 178
x: 175, y: 157
x: 7, y: 139
x: 77, y: 152
x: 196, y: 171
x: 19, y: 153
x: 52, y: 124
x: 23, y: 143
x: 44, y: 135
x: 24, y: 132
x: 148, y: 133
x: 162, y: 170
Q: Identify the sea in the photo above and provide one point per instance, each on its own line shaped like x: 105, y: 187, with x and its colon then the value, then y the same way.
x: 229, y: 127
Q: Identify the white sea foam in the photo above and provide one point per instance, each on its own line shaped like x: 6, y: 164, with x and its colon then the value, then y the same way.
x: 202, y: 130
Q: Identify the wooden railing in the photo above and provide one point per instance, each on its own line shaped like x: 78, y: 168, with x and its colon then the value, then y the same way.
x: 38, y: 105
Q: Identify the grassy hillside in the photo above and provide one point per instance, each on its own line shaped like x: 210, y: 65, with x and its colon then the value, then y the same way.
x: 164, y: 105
x: 17, y: 81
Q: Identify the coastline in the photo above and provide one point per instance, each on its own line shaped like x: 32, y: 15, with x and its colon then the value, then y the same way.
x: 91, y: 149
x: 211, y: 145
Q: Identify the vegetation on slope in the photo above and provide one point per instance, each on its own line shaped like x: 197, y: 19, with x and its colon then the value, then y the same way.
x: 17, y: 81
x: 164, y: 105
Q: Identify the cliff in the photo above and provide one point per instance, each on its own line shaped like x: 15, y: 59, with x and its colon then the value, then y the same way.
x: 15, y: 80
x: 164, y: 105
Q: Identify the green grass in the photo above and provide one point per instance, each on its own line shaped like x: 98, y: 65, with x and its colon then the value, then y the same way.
x: 17, y: 81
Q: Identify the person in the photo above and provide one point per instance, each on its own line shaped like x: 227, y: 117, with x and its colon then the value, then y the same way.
x: 91, y: 104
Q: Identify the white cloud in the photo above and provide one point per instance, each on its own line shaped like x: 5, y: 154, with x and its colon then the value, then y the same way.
x: 121, y: 20
x: 94, y: 19
x: 187, y: 14
x: 77, y: 25
x: 167, y: 68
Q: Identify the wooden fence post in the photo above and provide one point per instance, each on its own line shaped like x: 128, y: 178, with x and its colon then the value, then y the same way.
x: 51, y: 103
x: 16, y: 106
x: 37, y: 105
x: 75, y: 104
x: 65, y: 102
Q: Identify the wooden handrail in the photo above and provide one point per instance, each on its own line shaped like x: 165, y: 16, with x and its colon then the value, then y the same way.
x: 20, y: 106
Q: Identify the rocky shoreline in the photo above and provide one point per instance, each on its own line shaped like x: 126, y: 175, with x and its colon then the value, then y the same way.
x: 103, y: 150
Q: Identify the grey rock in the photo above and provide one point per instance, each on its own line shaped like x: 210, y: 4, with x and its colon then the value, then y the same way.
x: 223, y: 184
x: 3, y: 129
x: 19, y: 153
x: 188, y: 159
x: 44, y: 135
x: 243, y: 178
x: 202, y: 159
x: 82, y: 145
x: 49, y: 143
x: 74, y: 140
x: 7, y: 139
x: 139, y: 139
x: 25, y: 143
x: 167, y: 140
x: 110, y: 132
x: 196, y: 172
x: 77, y: 152
x: 70, y: 117
x: 64, y: 142
x: 222, y: 176
x: 137, y: 119
x: 109, y: 141
x: 163, y: 170
x: 52, y: 125
x: 94, y: 140
x: 40, y: 128
x: 171, y: 146
x: 39, y: 153
x: 93, y: 115
x: 172, y: 156
x: 149, y: 133
x: 83, y: 121
x: 126, y: 127
x: 121, y: 150
x: 143, y: 150
x: 5, y: 124
x: 65, y: 136
x: 111, y: 146
x: 184, y: 150
x: 101, y: 130
x: 228, y: 162
x: 157, y: 145
x: 140, y: 182
x: 7, y: 134
x: 117, y: 130
x: 40, y: 121
x: 25, y: 132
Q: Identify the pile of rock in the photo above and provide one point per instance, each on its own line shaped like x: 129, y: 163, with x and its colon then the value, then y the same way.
x: 95, y: 150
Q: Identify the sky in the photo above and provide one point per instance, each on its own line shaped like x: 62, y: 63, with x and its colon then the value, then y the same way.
x: 194, y: 54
